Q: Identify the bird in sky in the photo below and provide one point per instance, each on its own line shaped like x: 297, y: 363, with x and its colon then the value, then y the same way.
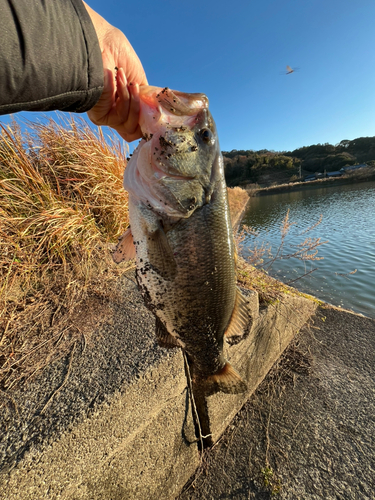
x: 290, y: 70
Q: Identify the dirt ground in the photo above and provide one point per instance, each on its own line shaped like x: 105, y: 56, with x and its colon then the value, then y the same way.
x: 309, y: 430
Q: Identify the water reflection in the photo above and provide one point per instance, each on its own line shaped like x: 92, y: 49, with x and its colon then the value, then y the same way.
x: 348, y: 225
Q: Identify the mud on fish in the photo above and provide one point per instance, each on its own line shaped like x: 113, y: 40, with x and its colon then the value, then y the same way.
x: 181, y: 234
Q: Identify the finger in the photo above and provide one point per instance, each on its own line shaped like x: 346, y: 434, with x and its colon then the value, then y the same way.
x: 99, y: 113
x: 128, y: 109
x: 109, y: 78
x: 123, y: 101
x: 129, y: 137
x: 133, y: 117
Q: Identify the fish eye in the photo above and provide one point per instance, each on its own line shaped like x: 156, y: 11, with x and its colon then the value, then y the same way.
x: 206, y: 135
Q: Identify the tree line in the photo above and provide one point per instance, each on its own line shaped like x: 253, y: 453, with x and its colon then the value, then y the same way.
x: 249, y: 166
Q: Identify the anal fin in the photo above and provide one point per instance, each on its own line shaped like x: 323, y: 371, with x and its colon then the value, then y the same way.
x: 125, y: 249
x: 240, y: 321
x: 225, y: 380
x: 164, y: 338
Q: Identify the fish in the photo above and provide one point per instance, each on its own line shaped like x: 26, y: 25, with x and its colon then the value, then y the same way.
x: 181, y: 235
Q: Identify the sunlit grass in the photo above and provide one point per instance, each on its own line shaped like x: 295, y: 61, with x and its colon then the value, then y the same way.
x: 61, y: 203
x: 61, y: 197
x: 237, y: 199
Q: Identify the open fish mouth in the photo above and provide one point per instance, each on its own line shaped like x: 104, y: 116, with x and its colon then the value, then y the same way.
x: 170, y: 108
x: 172, y: 101
x: 173, y: 169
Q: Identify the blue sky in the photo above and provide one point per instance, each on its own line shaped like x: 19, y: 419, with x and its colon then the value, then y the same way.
x: 236, y: 51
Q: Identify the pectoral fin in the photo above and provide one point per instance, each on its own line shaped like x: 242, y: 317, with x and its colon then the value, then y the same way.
x: 225, y: 380
x: 125, y: 249
x: 240, y: 321
x: 160, y: 254
x: 165, y: 339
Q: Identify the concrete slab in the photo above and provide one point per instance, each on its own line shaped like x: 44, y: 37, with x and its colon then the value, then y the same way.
x: 121, y: 426
x: 309, y: 432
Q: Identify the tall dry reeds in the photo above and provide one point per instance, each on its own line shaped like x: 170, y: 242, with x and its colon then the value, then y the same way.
x: 61, y: 198
x: 253, y: 271
x: 61, y: 203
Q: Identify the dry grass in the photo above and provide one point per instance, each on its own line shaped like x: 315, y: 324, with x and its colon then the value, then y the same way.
x: 253, y: 272
x: 61, y: 203
x: 237, y: 199
x: 269, y: 289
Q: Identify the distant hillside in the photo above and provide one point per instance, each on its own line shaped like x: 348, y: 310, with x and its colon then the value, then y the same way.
x: 261, y: 167
x: 269, y: 167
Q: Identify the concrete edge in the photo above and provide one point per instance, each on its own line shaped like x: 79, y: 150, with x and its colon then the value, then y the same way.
x: 140, y: 442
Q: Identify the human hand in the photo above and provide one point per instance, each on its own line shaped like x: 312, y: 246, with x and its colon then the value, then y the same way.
x: 118, y: 106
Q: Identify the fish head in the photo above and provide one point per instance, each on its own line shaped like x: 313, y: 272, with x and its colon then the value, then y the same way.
x: 177, y: 164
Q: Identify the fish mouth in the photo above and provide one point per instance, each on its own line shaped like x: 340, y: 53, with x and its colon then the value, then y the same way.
x: 169, y: 120
x: 172, y: 101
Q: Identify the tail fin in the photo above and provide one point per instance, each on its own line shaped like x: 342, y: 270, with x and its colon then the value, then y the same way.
x: 226, y: 380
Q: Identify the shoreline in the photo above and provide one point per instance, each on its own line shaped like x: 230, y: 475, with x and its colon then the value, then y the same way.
x: 338, y: 277
x: 316, y: 184
x: 239, y: 216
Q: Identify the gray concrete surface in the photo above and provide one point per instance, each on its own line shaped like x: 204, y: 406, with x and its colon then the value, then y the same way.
x: 308, y: 432
x: 121, y: 426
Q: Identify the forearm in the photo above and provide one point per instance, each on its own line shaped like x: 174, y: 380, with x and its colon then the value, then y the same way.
x: 50, y: 56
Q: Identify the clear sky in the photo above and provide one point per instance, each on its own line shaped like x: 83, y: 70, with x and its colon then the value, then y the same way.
x: 236, y: 52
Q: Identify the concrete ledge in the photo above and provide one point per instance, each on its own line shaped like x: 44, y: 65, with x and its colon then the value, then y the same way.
x: 121, y: 427
x: 253, y: 356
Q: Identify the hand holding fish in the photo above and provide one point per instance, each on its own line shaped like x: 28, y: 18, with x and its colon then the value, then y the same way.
x: 118, y: 106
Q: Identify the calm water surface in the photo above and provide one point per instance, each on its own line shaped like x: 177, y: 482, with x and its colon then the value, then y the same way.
x: 349, y: 226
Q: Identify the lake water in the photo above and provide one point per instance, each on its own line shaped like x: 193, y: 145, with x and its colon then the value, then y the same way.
x: 348, y: 223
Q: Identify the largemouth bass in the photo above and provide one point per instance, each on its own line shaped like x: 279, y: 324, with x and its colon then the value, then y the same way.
x: 181, y: 232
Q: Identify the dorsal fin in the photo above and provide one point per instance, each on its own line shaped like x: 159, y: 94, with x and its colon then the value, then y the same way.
x: 125, y: 249
x: 225, y: 380
x: 240, y: 321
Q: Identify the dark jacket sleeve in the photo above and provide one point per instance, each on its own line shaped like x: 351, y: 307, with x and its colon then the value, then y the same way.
x: 49, y: 57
